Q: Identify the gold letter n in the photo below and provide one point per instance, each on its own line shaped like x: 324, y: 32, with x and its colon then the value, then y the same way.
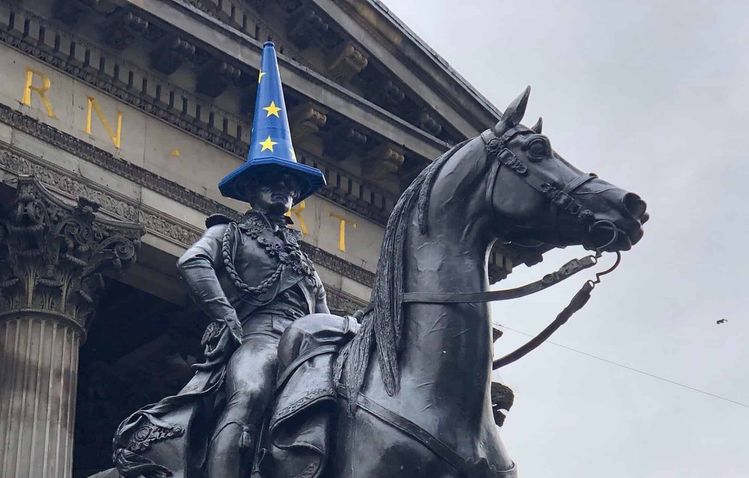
x: 115, y: 137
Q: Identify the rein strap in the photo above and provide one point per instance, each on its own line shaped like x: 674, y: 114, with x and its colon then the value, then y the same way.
x: 568, y: 270
x: 577, y: 303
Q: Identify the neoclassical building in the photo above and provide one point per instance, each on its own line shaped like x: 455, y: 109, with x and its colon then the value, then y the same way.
x: 117, y: 119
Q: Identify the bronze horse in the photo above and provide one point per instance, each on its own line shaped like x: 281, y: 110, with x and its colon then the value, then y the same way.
x: 416, y: 377
x: 431, y: 363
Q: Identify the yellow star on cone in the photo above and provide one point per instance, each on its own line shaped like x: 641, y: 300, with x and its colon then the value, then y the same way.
x: 260, y: 75
x: 272, y: 109
x: 267, y: 144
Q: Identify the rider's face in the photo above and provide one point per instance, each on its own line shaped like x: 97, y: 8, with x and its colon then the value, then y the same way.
x: 275, y: 193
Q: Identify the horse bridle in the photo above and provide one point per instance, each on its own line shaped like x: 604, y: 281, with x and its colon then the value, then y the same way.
x: 562, y: 200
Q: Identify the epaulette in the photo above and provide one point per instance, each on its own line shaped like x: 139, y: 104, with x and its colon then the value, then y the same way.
x: 216, y: 219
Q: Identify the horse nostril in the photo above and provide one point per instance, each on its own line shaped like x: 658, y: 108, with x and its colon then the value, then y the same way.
x: 634, y: 205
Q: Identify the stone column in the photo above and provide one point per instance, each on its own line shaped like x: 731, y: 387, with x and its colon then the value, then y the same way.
x: 52, y: 255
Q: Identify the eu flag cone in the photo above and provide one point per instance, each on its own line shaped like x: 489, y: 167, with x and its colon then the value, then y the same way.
x: 270, y: 145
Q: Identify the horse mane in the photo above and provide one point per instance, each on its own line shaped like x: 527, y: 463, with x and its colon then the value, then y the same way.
x: 382, y: 324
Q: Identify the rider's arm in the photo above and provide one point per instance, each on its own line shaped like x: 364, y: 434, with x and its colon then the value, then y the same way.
x: 197, y: 266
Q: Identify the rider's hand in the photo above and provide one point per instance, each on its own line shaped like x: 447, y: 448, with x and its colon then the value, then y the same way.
x: 235, y: 328
x: 218, y: 335
x: 218, y: 348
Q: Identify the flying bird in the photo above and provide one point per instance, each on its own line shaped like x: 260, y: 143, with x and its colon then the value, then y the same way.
x: 721, y: 321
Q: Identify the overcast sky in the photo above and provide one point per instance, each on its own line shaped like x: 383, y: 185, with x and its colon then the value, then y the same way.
x: 652, y: 96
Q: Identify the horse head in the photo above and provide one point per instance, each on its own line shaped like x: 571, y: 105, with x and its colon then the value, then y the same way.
x: 507, y: 184
x: 537, y: 196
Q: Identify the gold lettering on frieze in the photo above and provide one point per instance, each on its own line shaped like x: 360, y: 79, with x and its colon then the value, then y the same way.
x: 92, y: 105
x: 342, y: 222
x: 296, y: 211
x: 41, y: 91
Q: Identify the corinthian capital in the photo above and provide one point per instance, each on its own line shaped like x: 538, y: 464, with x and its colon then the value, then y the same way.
x: 53, y: 254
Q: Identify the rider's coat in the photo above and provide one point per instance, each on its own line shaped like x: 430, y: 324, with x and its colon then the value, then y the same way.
x: 270, y: 272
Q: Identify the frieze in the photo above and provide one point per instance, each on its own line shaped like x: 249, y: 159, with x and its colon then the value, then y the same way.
x: 155, y: 222
x: 170, y: 230
x: 70, y: 187
x: 67, y: 63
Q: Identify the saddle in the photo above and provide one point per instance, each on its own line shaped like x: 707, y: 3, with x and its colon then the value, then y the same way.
x: 296, y: 442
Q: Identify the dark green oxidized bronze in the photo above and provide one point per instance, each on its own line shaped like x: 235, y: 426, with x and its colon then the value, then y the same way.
x: 407, y: 391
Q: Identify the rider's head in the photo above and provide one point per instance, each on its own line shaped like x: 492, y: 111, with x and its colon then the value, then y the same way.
x: 272, y: 192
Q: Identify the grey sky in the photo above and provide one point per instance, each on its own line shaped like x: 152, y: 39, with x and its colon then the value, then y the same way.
x: 652, y: 96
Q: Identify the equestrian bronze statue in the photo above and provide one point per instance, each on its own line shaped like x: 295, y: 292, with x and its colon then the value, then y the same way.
x: 403, y: 390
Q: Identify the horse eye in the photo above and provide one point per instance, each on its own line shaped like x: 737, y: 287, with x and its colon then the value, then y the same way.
x: 538, y: 149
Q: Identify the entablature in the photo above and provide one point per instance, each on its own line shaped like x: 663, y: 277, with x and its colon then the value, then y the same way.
x: 361, y: 174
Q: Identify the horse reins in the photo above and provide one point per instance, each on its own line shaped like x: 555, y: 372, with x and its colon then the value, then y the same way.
x: 562, y: 200
x: 578, y: 301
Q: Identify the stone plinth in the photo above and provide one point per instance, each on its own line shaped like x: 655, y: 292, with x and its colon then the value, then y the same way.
x: 52, y: 256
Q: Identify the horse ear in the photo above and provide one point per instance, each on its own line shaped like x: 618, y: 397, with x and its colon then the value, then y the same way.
x: 538, y: 126
x: 514, y: 112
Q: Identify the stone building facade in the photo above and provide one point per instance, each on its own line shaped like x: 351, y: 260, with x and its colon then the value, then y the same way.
x: 117, y: 119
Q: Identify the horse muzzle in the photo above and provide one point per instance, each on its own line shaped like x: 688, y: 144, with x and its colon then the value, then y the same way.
x: 622, y: 232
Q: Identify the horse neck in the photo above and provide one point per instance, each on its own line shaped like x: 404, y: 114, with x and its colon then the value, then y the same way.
x: 448, y: 346
x: 446, y: 261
